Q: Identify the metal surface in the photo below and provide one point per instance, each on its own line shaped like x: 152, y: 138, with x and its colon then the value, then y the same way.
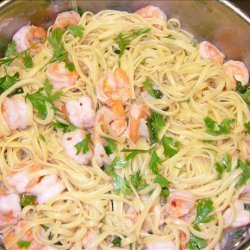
x: 218, y: 21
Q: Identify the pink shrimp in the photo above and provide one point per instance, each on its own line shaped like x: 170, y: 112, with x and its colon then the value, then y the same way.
x: 245, y: 193
x: 17, y: 113
x: 180, y: 203
x: 81, y: 113
x: 60, y: 76
x: 209, y: 51
x: 66, y: 19
x: 114, y: 86
x: 137, y: 122
x: 242, y: 217
x: 30, y: 36
x: 162, y: 245
x: 10, y: 209
x: 151, y: 12
x: 236, y: 71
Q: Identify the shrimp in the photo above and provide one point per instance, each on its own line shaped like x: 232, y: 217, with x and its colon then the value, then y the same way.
x: 28, y: 236
x: 242, y: 216
x: 151, y: 12
x: 17, y: 113
x: 236, y: 71
x: 10, y: 209
x: 66, y: 19
x: 30, y: 36
x: 60, y: 76
x: 69, y: 141
x: 114, y: 86
x: 180, y: 203
x: 114, y: 117
x: 81, y: 113
x: 162, y: 245
x: 209, y: 51
x: 245, y: 193
x: 137, y: 123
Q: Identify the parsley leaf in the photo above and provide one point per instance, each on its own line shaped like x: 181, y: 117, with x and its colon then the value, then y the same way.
x: 137, y: 181
x: 204, y: 208
x: 155, y: 123
x: 83, y: 145
x: 11, y: 50
x: 156, y: 93
x: 196, y: 243
x: 110, y: 146
x: 117, y: 241
x: 27, y: 199
x: 76, y: 30
x: 124, y: 39
x: 218, y: 129
x: 170, y: 36
x: 244, y: 91
x: 170, y: 146
x: 7, y: 81
x: 65, y: 127
x: 164, y: 183
x: 224, y: 164
x: 245, y: 176
x: 247, y: 126
x: 120, y: 185
x: 27, y: 60
x: 154, y: 161
x: 23, y: 244
x: 41, y: 137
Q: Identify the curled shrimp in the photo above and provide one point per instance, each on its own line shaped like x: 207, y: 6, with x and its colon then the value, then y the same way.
x: 10, y: 209
x: 60, y: 76
x: 28, y: 236
x: 81, y: 113
x: 162, y: 245
x: 151, y: 11
x: 137, y: 122
x: 180, y: 203
x: 242, y: 216
x: 69, y: 142
x: 245, y: 193
x: 113, y: 117
x: 114, y: 86
x: 209, y: 51
x: 66, y: 19
x: 30, y: 36
x: 236, y: 71
x: 17, y: 113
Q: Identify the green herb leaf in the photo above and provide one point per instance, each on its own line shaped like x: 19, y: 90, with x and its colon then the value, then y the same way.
x: 247, y: 126
x: 137, y: 151
x: 225, y: 164
x: 76, y: 30
x: 120, y: 185
x: 41, y: 137
x: 196, y: 243
x: 83, y: 145
x: 156, y: 93
x: 244, y: 91
x: 117, y: 241
x: 170, y: 36
x: 27, y: 199
x: 154, y: 162
x: 124, y: 39
x: 170, y: 146
x: 137, y: 181
x: 70, y: 66
x: 79, y: 10
x: 204, y: 208
x: 110, y: 146
x: 27, y: 60
x: 218, y: 129
x: 245, y: 176
x: 65, y: 127
x: 8, y: 81
x: 23, y: 244
x: 162, y: 181
x: 11, y: 50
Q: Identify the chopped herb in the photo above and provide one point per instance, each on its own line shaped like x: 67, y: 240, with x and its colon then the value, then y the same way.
x: 39, y: 99
x: 110, y: 147
x: 244, y: 91
x: 247, y: 126
x: 42, y: 137
x: 23, y: 244
x: 117, y: 241
x: 8, y: 81
x: 208, y: 141
x: 27, y: 199
x: 83, y: 145
x: 137, y: 182
x: 156, y: 93
x: 65, y: 127
x: 170, y: 145
x: 218, y: 129
x: 11, y: 49
x: 245, y: 175
x: 76, y: 30
x: 155, y: 123
x: 224, y: 164
x: 70, y: 66
x: 79, y: 10
x: 124, y: 39
x: 154, y: 161
x: 27, y: 60
x: 164, y: 183
x: 137, y: 151
x: 204, y: 208
x: 196, y: 243
x: 120, y: 185
x: 170, y: 36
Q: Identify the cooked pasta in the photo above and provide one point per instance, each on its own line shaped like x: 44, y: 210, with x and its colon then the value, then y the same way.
x: 120, y: 131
